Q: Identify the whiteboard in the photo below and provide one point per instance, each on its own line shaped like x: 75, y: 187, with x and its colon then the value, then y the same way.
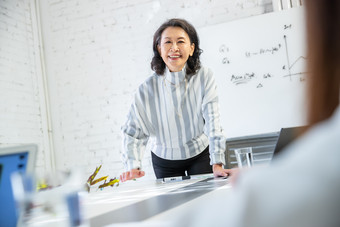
x: 259, y: 67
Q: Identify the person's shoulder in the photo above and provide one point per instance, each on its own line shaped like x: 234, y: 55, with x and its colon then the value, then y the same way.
x: 148, y: 82
x: 205, y: 72
x: 205, y: 68
x: 151, y: 78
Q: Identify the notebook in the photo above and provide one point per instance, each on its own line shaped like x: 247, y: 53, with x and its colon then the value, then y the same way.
x: 286, y: 136
x: 13, y: 159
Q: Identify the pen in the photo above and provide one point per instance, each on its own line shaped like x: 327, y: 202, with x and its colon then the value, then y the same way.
x: 170, y: 179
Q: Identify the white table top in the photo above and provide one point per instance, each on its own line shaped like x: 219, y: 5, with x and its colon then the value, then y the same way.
x: 150, y: 202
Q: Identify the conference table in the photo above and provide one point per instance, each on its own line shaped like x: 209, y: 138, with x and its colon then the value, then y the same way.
x: 151, y: 202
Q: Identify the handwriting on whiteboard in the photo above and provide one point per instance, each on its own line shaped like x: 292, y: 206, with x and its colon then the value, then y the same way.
x: 287, y: 70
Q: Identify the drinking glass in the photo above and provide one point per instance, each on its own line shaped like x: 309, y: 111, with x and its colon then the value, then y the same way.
x: 244, y: 157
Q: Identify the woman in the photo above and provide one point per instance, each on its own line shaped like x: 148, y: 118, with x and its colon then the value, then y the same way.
x: 302, y: 187
x: 178, y: 107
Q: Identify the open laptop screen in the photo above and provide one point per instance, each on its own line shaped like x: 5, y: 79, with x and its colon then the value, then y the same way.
x: 13, y: 159
x: 286, y: 136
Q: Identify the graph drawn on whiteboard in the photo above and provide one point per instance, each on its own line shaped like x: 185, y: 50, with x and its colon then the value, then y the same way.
x: 289, y: 66
x: 259, y: 67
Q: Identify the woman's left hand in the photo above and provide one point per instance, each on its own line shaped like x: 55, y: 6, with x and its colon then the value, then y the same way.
x: 220, y: 172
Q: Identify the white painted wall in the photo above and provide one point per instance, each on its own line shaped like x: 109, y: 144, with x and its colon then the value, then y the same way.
x: 96, y: 53
x: 22, y: 100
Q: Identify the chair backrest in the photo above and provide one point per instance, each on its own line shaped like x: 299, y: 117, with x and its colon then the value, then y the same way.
x: 262, y: 145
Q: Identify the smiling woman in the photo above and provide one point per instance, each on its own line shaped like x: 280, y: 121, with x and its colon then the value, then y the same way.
x: 175, y: 48
x: 187, y: 31
x: 178, y: 107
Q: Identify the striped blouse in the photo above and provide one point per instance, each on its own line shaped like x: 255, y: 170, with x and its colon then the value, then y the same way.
x: 181, y: 116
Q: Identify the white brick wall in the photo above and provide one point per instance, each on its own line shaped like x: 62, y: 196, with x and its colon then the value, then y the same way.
x: 97, y: 53
x: 21, y: 95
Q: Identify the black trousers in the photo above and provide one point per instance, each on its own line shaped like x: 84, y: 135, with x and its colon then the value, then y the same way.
x: 199, y: 164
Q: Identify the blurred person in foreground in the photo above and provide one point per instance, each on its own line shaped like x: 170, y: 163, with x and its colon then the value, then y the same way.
x: 302, y: 187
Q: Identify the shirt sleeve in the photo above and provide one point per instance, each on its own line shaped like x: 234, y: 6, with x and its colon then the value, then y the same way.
x: 135, y: 135
x: 211, y: 114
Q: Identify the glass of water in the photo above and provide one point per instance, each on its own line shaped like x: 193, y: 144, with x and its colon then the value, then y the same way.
x: 244, y: 157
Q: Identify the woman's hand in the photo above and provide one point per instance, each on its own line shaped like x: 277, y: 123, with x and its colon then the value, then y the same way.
x: 132, y: 174
x: 220, y: 172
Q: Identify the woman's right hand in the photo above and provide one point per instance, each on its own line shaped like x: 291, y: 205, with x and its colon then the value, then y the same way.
x: 132, y: 174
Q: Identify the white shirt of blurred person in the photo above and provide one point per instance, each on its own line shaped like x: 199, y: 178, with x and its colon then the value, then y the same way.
x: 302, y: 187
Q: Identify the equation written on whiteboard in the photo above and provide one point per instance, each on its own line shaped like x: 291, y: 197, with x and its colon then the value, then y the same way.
x: 272, y: 50
x: 243, y: 79
x: 289, y: 68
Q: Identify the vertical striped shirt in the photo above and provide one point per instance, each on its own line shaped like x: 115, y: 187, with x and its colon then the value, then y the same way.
x: 180, y: 114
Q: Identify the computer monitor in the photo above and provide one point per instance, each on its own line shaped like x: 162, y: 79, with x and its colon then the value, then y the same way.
x: 13, y: 159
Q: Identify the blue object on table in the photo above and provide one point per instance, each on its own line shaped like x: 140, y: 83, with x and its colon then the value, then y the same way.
x: 13, y: 159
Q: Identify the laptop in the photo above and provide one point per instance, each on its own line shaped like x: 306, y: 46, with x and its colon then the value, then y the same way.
x: 286, y: 136
x: 13, y: 159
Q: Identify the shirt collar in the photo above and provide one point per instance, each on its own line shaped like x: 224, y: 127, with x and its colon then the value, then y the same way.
x: 175, y: 77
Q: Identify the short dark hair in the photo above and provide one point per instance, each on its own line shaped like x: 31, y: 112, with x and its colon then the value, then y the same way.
x: 193, y: 63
